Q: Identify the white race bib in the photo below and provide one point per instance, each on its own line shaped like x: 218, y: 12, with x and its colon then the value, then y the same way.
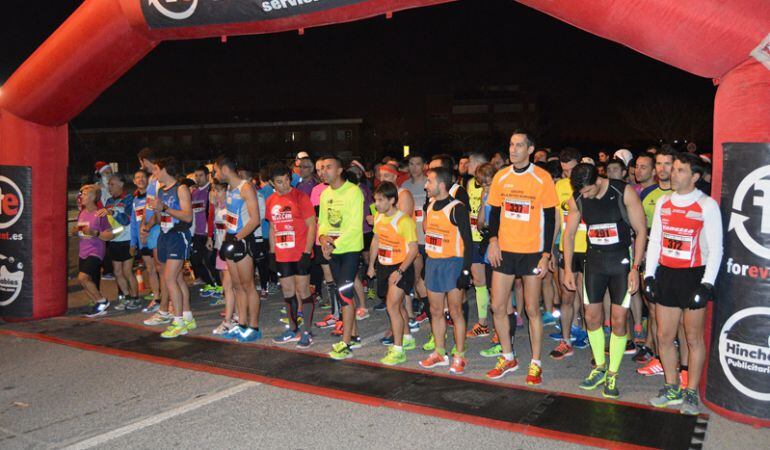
x: 284, y: 239
x: 677, y: 246
x: 434, y: 242
x: 517, y: 209
x: 385, y: 255
x: 603, y: 234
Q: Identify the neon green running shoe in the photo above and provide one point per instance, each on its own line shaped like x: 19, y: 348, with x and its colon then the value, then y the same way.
x: 492, y: 352
x: 430, y: 345
x: 176, y: 329
x: 394, y: 357
x: 409, y: 343
x: 340, y: 350
x: 593, y: 380
x: 190, y: 325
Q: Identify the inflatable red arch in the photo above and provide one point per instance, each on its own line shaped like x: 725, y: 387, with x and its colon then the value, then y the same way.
x: 726, y: 41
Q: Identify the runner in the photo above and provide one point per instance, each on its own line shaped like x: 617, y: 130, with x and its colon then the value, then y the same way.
x: 448, y: 244
x: 118, y: 211
x: 202, y: 259
x: 395, y: 244
x: 611, y: 210
x: 139, y: 246
x: 307, y: 179
x: 521, y: 232
x: 292, y: 235
x: 323, y: 275
x: 682, y: 265
x: 478, y: 271
x: 242, y: 220
x: 174, y: 206
x: 570, y: 300
x: 664, y: 162
x: 217, y: 230
x: 93, y: 230
x: 340, y: 233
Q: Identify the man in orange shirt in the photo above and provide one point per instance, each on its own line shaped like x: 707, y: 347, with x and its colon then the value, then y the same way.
x: 521, y: 233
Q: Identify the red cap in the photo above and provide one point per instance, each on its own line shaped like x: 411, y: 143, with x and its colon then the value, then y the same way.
x: 100, y: 166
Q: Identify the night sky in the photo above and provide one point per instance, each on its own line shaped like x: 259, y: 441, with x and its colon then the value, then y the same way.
x: 380, y: 70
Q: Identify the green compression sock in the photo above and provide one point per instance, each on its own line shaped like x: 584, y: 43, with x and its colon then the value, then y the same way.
x: 596, y: 339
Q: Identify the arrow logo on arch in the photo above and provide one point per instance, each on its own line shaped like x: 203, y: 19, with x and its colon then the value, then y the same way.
x: 182, y: 15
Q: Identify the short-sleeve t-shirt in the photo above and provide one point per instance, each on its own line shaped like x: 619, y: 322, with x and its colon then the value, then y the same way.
x: 394, y: 234
x: 564, y: 193
x: 650, y: 197
x: 90, y: 245
x: 341, y: 217
x: 288, y: 213
x: 475, y: 192
x: 522, y: 197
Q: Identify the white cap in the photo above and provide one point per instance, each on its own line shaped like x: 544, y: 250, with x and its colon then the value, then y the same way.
x: 624, y: 155
x: 587, y: 160
x: 301, y: 155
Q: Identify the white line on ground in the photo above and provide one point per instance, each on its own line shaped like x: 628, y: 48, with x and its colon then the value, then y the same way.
x: 165, y: 415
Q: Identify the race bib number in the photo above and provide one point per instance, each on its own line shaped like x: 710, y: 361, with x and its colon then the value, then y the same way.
x: 434, y: 242
x: 474, y: 222
x: 232, y: 222
x: 419, y: 215
x: 284, y: 239
x: 82, y: 227
x: 385, y: 255
x: 677, y: 246
x: 517, y: 210
x: 198, y: 207
x: 603, y: 234
x: 150, y: 199
x: 166, y: 222
x: 139, y: 213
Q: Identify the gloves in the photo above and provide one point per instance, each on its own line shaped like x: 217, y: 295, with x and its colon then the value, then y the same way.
x: 464, y: 280
x: 272, y: 263
x: 305, y: 263
x: 651, y: 289
x: 703, y: 293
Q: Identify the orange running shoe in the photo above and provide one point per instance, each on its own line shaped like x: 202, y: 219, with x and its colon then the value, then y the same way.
x: 534, y: 374
x: 327, y: 322
x: 562, y: 350
x: 337, y: 331
x: 653, y: 367
x: 495, y: 339
x: 458, y: 365
x: 478, y: 330
x: 434, y: 360
x: 503, y: 366
x: 683, y: 379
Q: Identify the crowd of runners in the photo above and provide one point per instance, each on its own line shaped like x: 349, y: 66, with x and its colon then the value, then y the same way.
x: 558, y: 238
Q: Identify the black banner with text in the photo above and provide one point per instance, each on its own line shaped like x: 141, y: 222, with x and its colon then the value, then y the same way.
x: 15, y: 241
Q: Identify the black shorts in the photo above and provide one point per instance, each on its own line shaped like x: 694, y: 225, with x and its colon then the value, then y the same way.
x: 675, y: 286
x: 144, y: 251
x: 290, y: 269
x: 383, y: 273
x: 240, y: 248
x: 91, y: 266
x: 318, y: 256
x: 344, y: 267
x: 519, y: 264
x: 368, y: 240
x: 607, y: 270
x: 477, y: 253
x: 578, y: 262
x: 258, y: 249
x: 119, y: 251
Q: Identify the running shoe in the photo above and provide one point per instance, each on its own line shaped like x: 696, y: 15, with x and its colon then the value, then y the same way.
x: 340, y: 350
x: 478, y: 330
x: 630, y: 347
x: 152, y: 307
x: 387, y: 340
x: 434, y: 360
x: 217, y: 301
x: 305, y: 340
x: 190, y: 324
x: 503, y: 367
x: 337, y: 331
x: 222, y: 329
x: 492, y: 352
x: 362, y: 313
x: 669, y: 395
x: 458, y: 365
x: 558, y: 337
x: 430, y: 345
x: 120, y: 303
x: 273, y: 288
x: 108, y: 276
x: 134, y: 304
x: 234, y: 332
x: 690, y: 405
x: 562, y: 350
x: 683, y: 379
x: 176, y: 329
x: 206, y: 291
x: 149, y: 297
x: 158, y: 318
x: 99, y: 309
x: 355, y: 342
x: 414, y: 326
x: 534, y: 374
x: 371, y: 294
x: 593, y: 380
x: 249, y: 335
x: 287, y: 336
x: 394, y: 357
x: 327, y: 322
x: 409, y: 343
x: 379, y: 307
x: 653, y: 367
x: 422, y: 317
x: 611, y: 387
x: 324, y: 304
x: 548, y: 319
x: 581, y: 343
x: 643, y: 354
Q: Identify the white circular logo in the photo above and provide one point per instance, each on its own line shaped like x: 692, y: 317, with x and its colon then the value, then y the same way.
x: 11, y: 279
x: 756, y: 181
x: 737, y: 355
x: 176, y: 15
x: 11, y: 202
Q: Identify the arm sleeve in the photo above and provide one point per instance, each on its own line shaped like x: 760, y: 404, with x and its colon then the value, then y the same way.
x: 494, y: 221
x: 463, y: 196
x: 653, y: 242
x: 712, y: 236
x: 549, y: 216
x: 461, y: 218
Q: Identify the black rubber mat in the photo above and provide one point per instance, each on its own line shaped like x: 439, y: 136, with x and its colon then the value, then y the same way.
x: 562, y: 415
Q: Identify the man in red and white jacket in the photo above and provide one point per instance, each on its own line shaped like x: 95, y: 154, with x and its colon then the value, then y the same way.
x: 683, y: 258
